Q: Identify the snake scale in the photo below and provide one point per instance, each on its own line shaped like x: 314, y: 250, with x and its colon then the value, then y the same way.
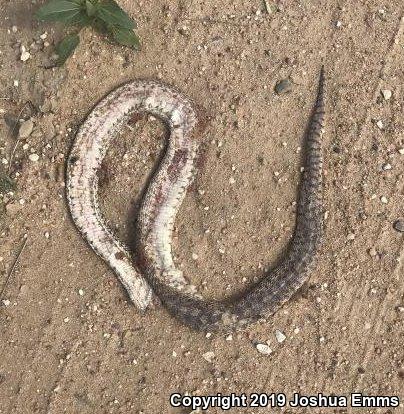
x: 151, y: 266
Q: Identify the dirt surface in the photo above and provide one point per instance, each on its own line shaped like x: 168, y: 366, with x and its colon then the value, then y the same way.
x: 70, y: 341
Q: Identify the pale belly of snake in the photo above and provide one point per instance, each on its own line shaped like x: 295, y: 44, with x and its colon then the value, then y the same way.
x: 151, y: 266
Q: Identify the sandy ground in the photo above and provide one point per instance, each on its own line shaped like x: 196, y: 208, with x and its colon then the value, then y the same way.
x: 71, y: 342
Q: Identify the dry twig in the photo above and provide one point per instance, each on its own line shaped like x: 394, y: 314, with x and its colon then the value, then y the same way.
x: 13, y: 268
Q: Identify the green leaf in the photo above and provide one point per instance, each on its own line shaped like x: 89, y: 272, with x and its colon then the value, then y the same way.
x: 110, y: 12
x: 91, y: 8
x: 60, y: 10
x: 66, y: 47
x: 81, y: 20
x: 125, y: 37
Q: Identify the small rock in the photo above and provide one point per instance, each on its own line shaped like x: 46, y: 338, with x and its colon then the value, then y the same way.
x: 283, y: 86
x: 23, y: 289
x: 33, y: 157
x: 25, y: 55
x: 280, y: 336
x: 26, y: 129
x: 81, y: 292
x: 195, y: 256
x: 209, y: 356
x: 386, y: 167
x: 338, y: 23
x: 351, y: 236
x: 399, y: 225
x: 386, y: 94
x: 6, y: 302
x: 383, y: 199
x: 401, y: 151
x: 264, y: 349
x: 372, y: 252
x: 380, y: 124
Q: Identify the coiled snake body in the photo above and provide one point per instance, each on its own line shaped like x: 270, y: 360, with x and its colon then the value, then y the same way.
x: 152, y: 265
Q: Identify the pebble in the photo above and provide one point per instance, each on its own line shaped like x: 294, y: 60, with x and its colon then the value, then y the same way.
x: 81, y: 292
x: 380, y: 124
x: 283, y: 86
x: 33, y: 157
x: 401, y: 151
x: 399, y: 225
x: 195, y: 256
x: 264, y: 349
x: 351, y: 236
x: 26, y: 128
x: 208, y: 356
x: 280, y: 336
x: 25, y: 55
x: 6, y: 302
x: 372, y: 252
x: 386, y: 94
x: 383, y: 199
x: 386, y: 167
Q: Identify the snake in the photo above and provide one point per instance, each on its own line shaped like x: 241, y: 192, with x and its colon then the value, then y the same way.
x: 149, y: 266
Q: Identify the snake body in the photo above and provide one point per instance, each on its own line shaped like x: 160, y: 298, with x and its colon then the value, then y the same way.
x: 152, y: 265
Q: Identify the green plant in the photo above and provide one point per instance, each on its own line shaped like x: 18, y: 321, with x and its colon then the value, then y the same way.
x: 105, y: 16
x: 6, y: 183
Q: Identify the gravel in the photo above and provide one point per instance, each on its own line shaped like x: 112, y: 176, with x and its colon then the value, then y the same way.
x: 26, y: 129
x: 386, y: 94
x: 264, y: 349
x: 399, y: 225
x: 208, y: 356
x: 280, y: 336
x: 33, y: 157
x: 283, y: 86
